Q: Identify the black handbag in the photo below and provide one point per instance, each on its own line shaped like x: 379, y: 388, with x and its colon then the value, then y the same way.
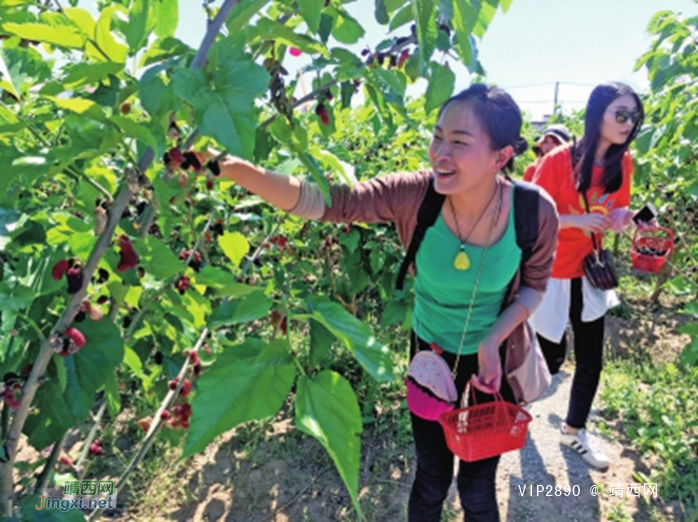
x: 598, y: 265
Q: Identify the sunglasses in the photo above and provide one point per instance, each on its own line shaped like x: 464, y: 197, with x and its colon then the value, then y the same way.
x: 623, y: 115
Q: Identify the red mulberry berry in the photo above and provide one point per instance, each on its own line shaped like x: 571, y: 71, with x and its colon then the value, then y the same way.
x: 165, y: 415
x: 59, y: 269
x: 75, y: 336
x: 129, y: 258
x: 186, y: 389
x: 172, y: 385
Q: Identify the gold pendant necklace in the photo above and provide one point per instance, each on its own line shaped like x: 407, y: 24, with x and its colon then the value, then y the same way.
x: 462, y: 261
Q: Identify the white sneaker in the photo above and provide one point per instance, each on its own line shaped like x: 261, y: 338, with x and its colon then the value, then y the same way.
x: 581, y: 443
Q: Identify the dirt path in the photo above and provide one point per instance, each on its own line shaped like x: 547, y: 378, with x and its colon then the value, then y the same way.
x: 289, y: 478
x: 281, y: 476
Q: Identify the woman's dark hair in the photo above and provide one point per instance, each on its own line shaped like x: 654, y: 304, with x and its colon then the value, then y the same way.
x: 498, y: 115
x: 599, y: 100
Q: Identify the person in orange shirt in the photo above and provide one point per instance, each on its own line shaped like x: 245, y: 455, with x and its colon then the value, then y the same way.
x: 601, y: 169
x: 554, y: 136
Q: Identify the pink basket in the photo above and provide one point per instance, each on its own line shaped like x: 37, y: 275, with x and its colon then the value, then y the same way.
x: 425, y: 405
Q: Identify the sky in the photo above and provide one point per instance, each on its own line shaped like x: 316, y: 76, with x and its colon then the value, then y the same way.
x: 536, y: 43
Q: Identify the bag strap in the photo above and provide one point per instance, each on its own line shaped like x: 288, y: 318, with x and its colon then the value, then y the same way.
x: 526, y: 204
x: 426, y: 217
x: 593, y: 236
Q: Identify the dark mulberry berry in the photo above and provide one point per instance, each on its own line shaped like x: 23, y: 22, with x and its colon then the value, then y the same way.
x: 102, y: 275
x: 75, y: 280
x: 213, y: 167
x: 158, y: 357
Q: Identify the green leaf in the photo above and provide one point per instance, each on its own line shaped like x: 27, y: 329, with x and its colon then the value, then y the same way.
x: 139, y: 25
x: 111, y: 389
x: 109, y: 48
x: 354, y: 335
x: 17, y: 298
x: 689, y: 329
x: 321, y: 340
x: 506, y: 4
x: 243, y: 310
x: 441, y: 83
x: 328, y: 410
x: 137, y: 131
x: 248, y: 381
x: 225, y: 110
x: 224, y: 283
x: 424, y: 12
x: 311, y: 11
x: 81, y: 106
x: 157, y: 258
x: 402, y: 17
x: 242, y: 13
x: 234, y: 246
x: 270, y: 30
x: 81, y: 74
x: 90, y: 367
x: 167, y: 16
x: 157, y: 97
x: 345, y: 28
x: 465, y: 16
x: 381, y: 12
x: 484, y: 17
x: 63, y: 36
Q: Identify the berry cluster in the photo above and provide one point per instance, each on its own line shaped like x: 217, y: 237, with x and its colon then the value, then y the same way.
x: 321, y: 111
x: 96, y: 448
x: 95, y: 312
x: 649, y: 251
x: 195, y: 261
x: 184, y: 390
x: 12, y: 394
x: 175, y: 159
x: 72, y: 269
x: 183, y: 284
x: 69, y: 343
x: 278, y: 321
x: 181, y: 412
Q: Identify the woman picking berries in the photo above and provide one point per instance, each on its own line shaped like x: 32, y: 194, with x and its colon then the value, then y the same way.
x: 598, y: 169
x: 474, y: 140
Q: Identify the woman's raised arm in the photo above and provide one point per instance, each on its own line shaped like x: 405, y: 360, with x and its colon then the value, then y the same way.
x: 278, y: 190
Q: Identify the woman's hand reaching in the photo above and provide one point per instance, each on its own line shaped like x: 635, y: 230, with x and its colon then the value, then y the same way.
x: 489, y: 377
x: 593, y: 222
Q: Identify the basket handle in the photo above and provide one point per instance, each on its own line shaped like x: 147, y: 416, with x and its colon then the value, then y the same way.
x: 497, y: 395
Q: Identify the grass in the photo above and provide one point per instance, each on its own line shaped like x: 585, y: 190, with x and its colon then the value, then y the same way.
x: 655, y: 407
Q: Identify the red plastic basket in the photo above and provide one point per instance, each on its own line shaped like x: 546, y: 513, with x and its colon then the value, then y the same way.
x: 485, y: 430
x: 651, y: 248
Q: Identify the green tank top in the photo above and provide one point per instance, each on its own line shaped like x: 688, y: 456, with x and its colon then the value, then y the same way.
x: 442, y: 293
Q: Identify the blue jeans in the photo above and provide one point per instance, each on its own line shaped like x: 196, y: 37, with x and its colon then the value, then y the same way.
x: 476, y: 480
x: 588, y: 353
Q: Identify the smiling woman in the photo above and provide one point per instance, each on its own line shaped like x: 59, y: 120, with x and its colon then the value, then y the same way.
x: 475, y: 285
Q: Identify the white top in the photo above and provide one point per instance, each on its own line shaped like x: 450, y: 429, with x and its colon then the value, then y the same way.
x: 550, y: 318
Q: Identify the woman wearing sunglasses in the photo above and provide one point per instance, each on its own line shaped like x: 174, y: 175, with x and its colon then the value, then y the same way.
x: 600, y: 167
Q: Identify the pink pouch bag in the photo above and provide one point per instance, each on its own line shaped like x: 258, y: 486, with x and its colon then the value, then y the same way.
x: 430, y: 387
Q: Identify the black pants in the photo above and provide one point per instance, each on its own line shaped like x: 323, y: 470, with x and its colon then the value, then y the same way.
x: 476, y: 480
x: 588, y: 353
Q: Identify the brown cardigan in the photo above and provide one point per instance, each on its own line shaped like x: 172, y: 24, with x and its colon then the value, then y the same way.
x: 397, y: 197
